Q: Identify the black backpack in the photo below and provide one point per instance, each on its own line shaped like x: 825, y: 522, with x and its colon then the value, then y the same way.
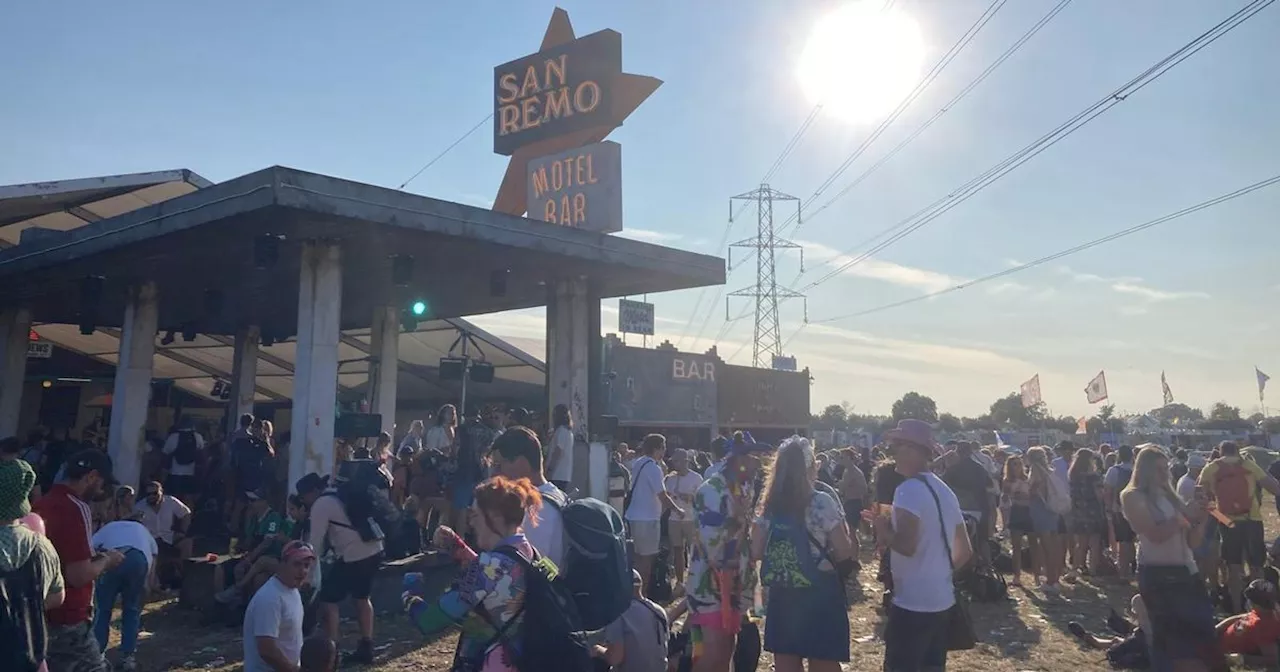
x: 187, y: 449
x: 597, y: 569
x: 365, y: 498
x: 553, y: 637
x: 23, y: 640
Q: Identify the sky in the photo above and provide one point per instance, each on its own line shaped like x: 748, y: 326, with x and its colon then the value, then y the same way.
x: 371, y: 91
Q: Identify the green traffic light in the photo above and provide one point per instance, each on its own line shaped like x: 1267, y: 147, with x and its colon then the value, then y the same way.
x: 419, y: 307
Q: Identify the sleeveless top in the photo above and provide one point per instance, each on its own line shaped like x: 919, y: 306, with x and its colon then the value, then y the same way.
x: 1171, y: 552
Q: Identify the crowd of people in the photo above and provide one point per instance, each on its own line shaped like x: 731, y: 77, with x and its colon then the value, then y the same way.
x: 721, y: 553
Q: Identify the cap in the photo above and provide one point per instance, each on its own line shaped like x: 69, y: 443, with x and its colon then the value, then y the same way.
x: 298, y: 550
x: 311, y: 482
x: 679, y: 454
x: 255, y: 495
x: 1196, y: 461
x: 90, y: 460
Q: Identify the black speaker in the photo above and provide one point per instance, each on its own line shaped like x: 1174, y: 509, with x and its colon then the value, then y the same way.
x: 481, y: 372
x: 90, y: 296
x: 357, y: 425
x: 266, y: 250
x: 498, y: 283
x: 608, y: 425
x: 401, y: 270
x: 451, y: 368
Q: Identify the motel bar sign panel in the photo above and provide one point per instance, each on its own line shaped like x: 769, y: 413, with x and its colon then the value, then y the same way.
x: 581, y: 188
x: 557, y: 91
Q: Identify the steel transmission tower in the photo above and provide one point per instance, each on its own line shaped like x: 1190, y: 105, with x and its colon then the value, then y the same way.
x: 768, y: 336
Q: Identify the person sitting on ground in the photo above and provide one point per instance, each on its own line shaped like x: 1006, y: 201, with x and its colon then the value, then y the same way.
x: 273, y: 619
x: 488, y: 594
x: 637, y: 640
x: 267, y: 534
x: 30, y: 575
x: 1128, y: 648
x: 167, y: 518
x: 1256, y: 633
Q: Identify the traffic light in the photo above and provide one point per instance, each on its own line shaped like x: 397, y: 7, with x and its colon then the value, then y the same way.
x: 412, y: 313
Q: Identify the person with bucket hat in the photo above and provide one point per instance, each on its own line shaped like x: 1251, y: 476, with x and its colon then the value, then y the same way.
x: 31, y: 577
x: 927, y: 539
x: 69, y: 521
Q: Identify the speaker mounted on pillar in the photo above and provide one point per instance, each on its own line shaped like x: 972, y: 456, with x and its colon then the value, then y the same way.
x: 266, y: 250
x: 451, y: 368
x: 91, y: 288
x: 401, y: 270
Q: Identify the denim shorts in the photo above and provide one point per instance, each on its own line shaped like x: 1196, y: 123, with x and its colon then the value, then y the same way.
x: 915, y: 641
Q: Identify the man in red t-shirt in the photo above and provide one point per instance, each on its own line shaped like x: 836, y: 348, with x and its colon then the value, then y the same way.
x: 69, y: 524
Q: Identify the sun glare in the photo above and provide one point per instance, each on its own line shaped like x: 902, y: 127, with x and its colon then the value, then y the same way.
x: 861, y: 61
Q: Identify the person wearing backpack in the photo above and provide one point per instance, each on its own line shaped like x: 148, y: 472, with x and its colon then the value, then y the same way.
x: 639, y: 639
x: 1234, y: 483
x: 1045, y: 518
x: 1113, y: 483
x: 806, y: 555
x: 352, y: 570
x: 184, y: 446
x: 30, y: 574
x: 648, y: 499
x: 517, y: 455
x: 510, y: 604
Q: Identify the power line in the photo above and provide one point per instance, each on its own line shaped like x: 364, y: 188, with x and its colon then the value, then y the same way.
x: 936, y: 209
x: 1203, y: 205
x: 439, y: 156
x: 915, y: 93
x: 906, y: 102
x: 1013, y: 48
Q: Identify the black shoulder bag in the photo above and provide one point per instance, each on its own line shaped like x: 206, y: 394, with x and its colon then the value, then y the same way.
x: 961, y: 635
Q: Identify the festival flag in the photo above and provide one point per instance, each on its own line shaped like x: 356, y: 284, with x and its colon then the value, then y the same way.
x: 1164, y: 386
x: 1082, y: 426
x: 1097, y: 389
x: 1262, y: 381
x: 1031, y: 392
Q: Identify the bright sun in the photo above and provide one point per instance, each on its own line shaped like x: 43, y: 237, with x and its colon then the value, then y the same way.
x: 861, y: 61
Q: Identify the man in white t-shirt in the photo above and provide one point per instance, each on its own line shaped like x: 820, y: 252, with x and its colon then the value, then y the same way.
x: 560, y: 452
x: 166, y: 517
x: 682, y: 484
x: 648, y: 497
x: 273, y: 619
x: 128, y: 581
x: 925, y: 526
x: 517, y: 453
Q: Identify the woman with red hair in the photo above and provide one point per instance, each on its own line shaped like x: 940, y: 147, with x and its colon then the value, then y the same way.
x: 488, y: 595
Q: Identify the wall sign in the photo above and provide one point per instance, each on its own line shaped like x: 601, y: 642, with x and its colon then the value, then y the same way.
x: 39, y: 350
x: 581, y: 188
x: 635, y: 317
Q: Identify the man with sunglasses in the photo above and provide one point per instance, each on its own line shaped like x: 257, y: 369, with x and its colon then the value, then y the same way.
x: 273, y: 620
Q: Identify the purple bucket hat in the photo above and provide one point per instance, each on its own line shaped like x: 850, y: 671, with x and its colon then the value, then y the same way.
x: 917, y: 432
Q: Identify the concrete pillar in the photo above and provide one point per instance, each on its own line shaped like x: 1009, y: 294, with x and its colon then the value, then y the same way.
x: 568, y: 351
x: 15, y: 325
x: 384, y: 364
x: 244, y: 374
x: 315, y: 377
x: 132, y: 394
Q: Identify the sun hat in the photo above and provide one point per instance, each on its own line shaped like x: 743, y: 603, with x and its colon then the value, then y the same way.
x: 915, y: 432
x: 747, y: 445
x: 1196, y: 461
x: 16, y: 480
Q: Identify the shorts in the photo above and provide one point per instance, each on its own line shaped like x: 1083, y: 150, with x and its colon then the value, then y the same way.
x: 1045, y: 520
x: 646, y: 536
x: 1020, y: 520
x: 853, y: 513
x: 349, y: 579
x: 1243, y: 543
x: 915, y: 641
x: 182, y: 487
x: 1124, y: 533
x: 75, y: 649
x: 680, y: 533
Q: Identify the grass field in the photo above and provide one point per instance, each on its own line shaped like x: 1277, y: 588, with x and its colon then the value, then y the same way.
x: 1027, y: 633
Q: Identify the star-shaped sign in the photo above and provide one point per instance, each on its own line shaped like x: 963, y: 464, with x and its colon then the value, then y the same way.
x: 628, y: 92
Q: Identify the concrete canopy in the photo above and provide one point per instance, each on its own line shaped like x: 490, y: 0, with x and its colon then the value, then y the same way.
x: 205, y: 240
x: 195, y: 366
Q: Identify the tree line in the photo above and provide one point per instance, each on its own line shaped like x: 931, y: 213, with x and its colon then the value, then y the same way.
x: 1008, y: 413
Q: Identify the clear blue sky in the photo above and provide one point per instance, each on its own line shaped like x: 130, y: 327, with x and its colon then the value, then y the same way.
x: 369, y: 91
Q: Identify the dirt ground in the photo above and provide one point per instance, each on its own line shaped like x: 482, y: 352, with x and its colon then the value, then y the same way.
x: 1027, y: 633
